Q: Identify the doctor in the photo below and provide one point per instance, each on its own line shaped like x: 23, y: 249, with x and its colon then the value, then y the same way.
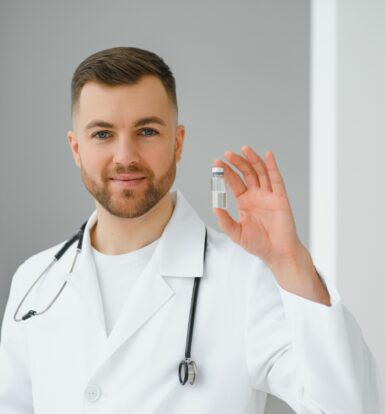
x: 266, y: 321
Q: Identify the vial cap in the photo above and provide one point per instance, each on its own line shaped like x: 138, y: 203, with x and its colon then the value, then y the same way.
x: 218, y: 170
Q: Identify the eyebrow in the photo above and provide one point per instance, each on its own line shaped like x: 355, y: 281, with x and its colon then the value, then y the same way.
x: 140, y: 122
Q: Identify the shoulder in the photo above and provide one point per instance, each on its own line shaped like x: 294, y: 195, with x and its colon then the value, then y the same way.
x: 29, y: 270
x: 43, y: 256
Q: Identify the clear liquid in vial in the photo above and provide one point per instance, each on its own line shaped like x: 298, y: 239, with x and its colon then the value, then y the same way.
x: 219, y: 199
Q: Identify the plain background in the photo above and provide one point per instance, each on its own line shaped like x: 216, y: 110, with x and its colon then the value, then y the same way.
x: 360, y: 93
x: 242, y: 74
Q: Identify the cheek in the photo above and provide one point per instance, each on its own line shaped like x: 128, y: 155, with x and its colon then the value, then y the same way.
x: 93, y: 160
x: 160, y: 160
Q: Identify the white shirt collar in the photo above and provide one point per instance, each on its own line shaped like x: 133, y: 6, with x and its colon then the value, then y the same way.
x: 181, y: 246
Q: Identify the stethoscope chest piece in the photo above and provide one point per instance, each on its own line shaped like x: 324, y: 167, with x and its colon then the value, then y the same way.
x: 187, y: 371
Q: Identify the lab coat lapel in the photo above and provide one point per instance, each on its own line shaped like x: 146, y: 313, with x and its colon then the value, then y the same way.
x: 179, y: 253
x: 175, y: 255
x: 149, y: 294
x: 84, y: 280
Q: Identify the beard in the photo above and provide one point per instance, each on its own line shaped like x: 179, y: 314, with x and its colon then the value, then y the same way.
x: 131, y: 203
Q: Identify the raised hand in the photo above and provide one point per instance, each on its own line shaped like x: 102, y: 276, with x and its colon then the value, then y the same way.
x: 266, y: 226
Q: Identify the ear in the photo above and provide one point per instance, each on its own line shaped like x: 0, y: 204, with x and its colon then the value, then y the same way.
x: 74, y: 147
x: 179, y: 140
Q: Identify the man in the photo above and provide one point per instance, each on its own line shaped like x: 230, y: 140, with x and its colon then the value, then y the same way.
x: 112, y: 342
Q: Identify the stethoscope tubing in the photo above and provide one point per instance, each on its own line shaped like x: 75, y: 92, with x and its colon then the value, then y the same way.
x: 187, y: 370
x: 78, y: 236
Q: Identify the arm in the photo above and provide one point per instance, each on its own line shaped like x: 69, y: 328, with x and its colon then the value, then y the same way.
x: 15, y: 382
x: 302, y: 344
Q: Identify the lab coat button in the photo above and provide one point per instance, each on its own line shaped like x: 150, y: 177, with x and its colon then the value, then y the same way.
x: 92, y: 393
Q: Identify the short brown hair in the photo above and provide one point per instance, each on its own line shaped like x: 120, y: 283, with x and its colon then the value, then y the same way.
x: 119, y: 66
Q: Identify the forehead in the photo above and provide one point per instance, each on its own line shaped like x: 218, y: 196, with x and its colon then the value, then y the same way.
x: 147, y: 96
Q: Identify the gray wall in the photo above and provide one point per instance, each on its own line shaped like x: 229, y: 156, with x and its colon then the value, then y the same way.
x: 242, y: 71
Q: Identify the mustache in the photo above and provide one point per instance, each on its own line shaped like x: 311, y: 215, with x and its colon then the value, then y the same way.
x: 120, y: 169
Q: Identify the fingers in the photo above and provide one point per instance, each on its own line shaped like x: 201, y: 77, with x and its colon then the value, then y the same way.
x: 259, y: 166
x: 244, y: 167
x: 256, y: 172
x: 275, y: 176
x: 228, y: 224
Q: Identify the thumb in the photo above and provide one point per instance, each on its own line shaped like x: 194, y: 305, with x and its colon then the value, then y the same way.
x: 227, y: 224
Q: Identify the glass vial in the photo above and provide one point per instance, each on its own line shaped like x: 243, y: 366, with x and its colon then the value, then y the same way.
x: 218, y: 188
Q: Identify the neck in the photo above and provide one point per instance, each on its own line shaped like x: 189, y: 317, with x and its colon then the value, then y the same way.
x: 114, y: 235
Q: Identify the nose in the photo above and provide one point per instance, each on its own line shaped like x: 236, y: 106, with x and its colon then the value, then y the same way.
x: 125, y: 151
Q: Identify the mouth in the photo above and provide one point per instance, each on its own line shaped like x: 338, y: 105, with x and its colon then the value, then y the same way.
x: 127, y: 177
x: 127, y: 182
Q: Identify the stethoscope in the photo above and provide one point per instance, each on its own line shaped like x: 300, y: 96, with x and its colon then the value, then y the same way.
x: 187, y: 368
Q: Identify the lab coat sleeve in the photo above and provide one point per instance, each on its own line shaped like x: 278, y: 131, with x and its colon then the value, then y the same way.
x: 15, y: 382
x: 310, y: 355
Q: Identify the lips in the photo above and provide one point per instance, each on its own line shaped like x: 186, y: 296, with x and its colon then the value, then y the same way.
x: 127, y: 181
x: 128, y: 177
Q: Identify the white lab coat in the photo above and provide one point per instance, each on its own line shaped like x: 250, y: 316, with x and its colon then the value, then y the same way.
x: 251, y: 337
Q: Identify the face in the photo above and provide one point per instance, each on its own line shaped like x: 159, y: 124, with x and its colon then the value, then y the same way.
x: 126, y: 142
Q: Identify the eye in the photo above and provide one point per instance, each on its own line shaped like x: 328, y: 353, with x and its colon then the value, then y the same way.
x: 151, y: 130
x: 101, y: 135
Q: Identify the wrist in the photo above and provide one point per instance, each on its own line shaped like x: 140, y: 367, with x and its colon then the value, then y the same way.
x: 299, y: 276
x: 292, y: 263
